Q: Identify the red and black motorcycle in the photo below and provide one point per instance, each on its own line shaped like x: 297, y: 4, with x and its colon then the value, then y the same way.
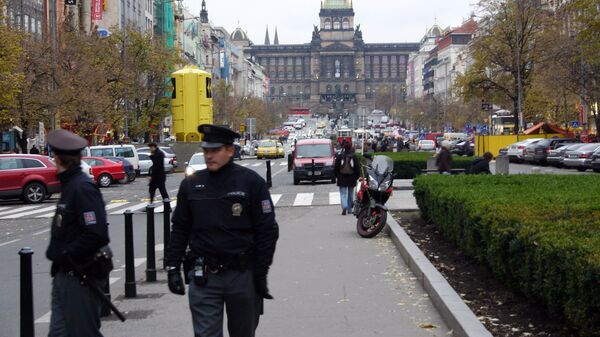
x: 372, y: 192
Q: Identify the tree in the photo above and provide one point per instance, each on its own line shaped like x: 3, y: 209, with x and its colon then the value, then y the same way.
x: 11, y: 53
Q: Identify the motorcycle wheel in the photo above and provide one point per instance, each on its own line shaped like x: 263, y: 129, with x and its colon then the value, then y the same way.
x: 367, y: 228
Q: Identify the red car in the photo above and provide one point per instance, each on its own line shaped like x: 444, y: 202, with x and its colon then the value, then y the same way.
x: 105, y: 171
x: 27, y: 176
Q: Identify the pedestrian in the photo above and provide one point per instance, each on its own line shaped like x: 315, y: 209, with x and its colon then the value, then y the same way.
x: 444, y: 159
x: 347, y: 171
x: 79, y: 230
x: 481, y: 165
x: 34, y: 150
x: 384, y: 144
x: 158, y: 177
x: 226, y: 217
x: 399, y: 144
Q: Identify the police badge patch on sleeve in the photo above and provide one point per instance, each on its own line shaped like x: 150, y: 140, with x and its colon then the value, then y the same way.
x: 89, y: 218
x: 266, y: 206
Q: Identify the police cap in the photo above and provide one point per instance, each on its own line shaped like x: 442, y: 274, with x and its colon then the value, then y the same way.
x: 216, y: 136
x: 66, y: 142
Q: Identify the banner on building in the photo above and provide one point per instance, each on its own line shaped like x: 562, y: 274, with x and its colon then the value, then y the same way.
x: 97, y: 9
x: 222, y: 58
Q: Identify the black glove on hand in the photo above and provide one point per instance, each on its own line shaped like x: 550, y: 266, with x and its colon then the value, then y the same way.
x: 176, y: 285
x: 260, y: 283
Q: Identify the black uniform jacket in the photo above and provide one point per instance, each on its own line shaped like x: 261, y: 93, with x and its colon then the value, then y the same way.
x: 223, y: 214
x: 158, y: 166
x: 79, y: 226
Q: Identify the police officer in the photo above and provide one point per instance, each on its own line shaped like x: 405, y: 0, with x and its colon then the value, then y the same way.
x: 79, y: 230
x: 226, y: 217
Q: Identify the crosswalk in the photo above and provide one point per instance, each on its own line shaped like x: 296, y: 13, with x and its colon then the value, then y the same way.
x: 47, y: 210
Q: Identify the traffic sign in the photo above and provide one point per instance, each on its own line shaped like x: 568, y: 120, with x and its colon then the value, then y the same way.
x: 468, y: 126
x: 574, y: 124
x: 242, y: 128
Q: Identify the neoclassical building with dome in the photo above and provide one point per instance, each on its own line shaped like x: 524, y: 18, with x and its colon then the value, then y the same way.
x: 336, y: 69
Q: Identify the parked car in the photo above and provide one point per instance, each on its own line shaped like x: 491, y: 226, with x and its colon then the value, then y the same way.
x: 317, y: 151
x: 462, y: 148
x: 269, y: 149
x: 577, y: 158
x: 426, y: 145
x: 515, y: 151
x: 170, y: 156
x: 196, y: 163
x: 129, y: 171
x: 87, y: 169
x: 146, y: 164
x: 126, y: 151
x: 595, y: 161
x: 105, y: 171
x: 555, y: 157
x: 538, y: 152
x: 32, y: 178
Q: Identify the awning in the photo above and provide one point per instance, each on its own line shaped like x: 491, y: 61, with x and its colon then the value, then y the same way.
x: 544, y: 128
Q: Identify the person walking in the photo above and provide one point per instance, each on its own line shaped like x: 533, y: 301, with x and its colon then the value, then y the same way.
x: 226, y: 217
x: 444, y: 159
x: 158, y: 177
x: 347, y: 171
x: 79, y: 230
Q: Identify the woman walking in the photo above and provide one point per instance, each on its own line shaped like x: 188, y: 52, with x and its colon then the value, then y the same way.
x: 347, y: 171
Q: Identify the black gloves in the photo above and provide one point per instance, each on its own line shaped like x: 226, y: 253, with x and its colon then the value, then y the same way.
x: 260, y: 283
x: 176, y: 285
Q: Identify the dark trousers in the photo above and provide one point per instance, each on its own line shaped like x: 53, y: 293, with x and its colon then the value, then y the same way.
x: 160, y: 184
x: 75, y: 309
x: 232, y: 290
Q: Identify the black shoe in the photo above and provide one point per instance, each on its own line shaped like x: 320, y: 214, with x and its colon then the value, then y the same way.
x: 344, y: 212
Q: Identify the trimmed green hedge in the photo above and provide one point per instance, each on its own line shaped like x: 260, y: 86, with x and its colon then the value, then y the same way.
x: 408, y: 165
x: 538, y: 233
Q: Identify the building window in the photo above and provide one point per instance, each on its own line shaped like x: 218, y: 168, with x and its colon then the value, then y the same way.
x: 346, y: 24
x: 327, y: 24
x: 336, y: 24
x: 376, y: 67
x: 394, y: 66
x: 368, y: 67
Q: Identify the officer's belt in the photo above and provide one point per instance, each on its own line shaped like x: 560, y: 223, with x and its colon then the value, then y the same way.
x: 216, y: 263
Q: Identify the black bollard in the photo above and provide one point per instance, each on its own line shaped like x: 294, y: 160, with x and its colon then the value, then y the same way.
x: 166, y: 228
x: 150, y: 253
x: 130, y: 288
x: 269, y: 179
x: 27, y: 327
x: 313, y: 171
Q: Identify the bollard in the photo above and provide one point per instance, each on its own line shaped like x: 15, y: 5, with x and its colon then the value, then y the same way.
x: 150, y: 253
x: 313, y: 171
x: 27, y: 327
x: 104, y: 308
x: 269, y: 180
x: 166, y: 228
x: 130, y: 288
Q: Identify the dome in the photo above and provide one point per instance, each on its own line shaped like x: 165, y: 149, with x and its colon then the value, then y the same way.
x: 337, y: 4
x: 239, y: 35
x: 435, y: 31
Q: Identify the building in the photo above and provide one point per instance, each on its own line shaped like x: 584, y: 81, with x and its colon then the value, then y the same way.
x: 417, y: 63
x: 337, y: 70
x: 28, y: 15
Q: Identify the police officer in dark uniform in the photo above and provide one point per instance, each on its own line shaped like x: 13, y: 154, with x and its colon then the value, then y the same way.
x: 225, y: 216
x: 79, y: 230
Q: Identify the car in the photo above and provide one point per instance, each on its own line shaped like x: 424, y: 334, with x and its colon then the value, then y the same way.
x: 269, y: 149
x: 537, y: 153
x: 577, y: 158
x: 105, y: 171
x: 238, y: 151
x: 462, y: 148
x: 426, y: 145
x: 126, y: 151
x: 146, y: 164
x: 595, y: 161
x: 129, y: 171
x: 555, y: 157
x: 196, y: 163
x: 31, y: 178
x: 515, y: 150
x: 317, y: 151
x: 170, y: 156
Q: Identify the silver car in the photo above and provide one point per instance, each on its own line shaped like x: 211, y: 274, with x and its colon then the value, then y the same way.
x: 515, y: 151
x: 170, y: 156
x: 196, y: 163
x: 577, y: 158
x: 146, y: 164
x: 556, y: 156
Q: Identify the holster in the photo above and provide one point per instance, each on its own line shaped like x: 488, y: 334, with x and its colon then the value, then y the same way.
x: 99, y: 265
x: 188, y: 265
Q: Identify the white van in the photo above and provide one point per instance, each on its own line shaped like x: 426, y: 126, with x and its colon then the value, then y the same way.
x: 126, y: 151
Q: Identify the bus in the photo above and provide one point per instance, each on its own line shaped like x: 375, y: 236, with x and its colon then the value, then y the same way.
x: 299, y: 112
x: 344, y: 134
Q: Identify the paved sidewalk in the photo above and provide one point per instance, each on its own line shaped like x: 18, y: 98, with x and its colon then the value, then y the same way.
x: 327, y: 282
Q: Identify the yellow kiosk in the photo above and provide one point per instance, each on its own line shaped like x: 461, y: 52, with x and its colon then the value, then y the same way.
x: 191, y: 103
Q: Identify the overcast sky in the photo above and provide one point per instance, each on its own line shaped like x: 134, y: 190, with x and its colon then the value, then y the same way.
x: 380, y: 20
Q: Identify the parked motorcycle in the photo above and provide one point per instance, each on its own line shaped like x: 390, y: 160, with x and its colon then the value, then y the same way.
x: 372, y: 192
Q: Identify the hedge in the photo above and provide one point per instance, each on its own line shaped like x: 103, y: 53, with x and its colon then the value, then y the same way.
x: 408, y: 165
x: 539, y: 234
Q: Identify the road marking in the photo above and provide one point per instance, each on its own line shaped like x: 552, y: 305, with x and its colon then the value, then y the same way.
x: 41, y: 232
x: 159, y: 247
x: 161, y: 209
x: 116, y: 205
x: 173, y: 191
x: 275, y: 198
x: 44, y: 319
x: 334, y: 198
x: 112, y: 280
x: 118, y: 201
x: 283, y: 164
x: 132, y: 208
x: 9, y: 242
x: 18, y: 209
x: 257, y: 164
x: 22, y: 214
x: 303, y: 199
x: 47, y: 215
x: 139, y: 261
x: 245, y: 164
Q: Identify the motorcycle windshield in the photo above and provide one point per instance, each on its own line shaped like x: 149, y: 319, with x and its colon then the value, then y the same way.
x: 382, y: 165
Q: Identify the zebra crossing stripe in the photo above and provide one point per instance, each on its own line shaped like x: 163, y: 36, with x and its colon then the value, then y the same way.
x: 22, y: 214
x: 334, y: 198
x: 161, y: 208
x: 19, y: 209
x: 115, y: 205
x: 283, y: 164
x: 303, y: 199
x: 245, y: 164
x: 275, y: 198
x: 132, y: 208
x: 257, y: 164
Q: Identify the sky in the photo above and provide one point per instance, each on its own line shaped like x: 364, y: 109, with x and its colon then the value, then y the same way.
x: 380, y: 20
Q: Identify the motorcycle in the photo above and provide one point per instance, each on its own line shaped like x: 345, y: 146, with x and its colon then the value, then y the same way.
x: 371, y: 194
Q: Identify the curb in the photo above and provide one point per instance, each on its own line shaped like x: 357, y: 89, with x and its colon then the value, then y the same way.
x: 454, y: 311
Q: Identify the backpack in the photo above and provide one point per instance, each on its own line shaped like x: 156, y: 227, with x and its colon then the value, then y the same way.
x: 347, y: 165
